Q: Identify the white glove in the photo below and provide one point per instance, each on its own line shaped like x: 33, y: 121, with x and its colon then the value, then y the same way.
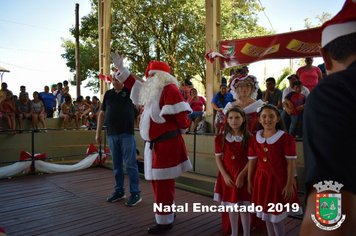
x: 117, y: 60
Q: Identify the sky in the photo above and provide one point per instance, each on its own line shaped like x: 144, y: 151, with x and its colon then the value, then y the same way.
x: 30, y: 42
x: 284, y: 16
x: 31, y: 32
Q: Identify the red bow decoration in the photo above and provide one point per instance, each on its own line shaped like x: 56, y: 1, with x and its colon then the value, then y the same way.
x: 92, y: 149
x: 25, y: 155
x: 210, y: 56
x: 107, y: 79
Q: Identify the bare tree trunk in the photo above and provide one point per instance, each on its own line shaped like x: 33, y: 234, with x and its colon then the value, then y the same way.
x: 77, y: 56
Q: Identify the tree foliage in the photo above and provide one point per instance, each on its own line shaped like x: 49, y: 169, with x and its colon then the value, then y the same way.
x: 89, y: 62
x: 281, y: 81
x: 325, y: 16
x: 166, y: 30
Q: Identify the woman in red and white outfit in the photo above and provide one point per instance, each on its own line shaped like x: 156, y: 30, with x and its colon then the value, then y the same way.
x: 163, y: 121
x: 245, y: 89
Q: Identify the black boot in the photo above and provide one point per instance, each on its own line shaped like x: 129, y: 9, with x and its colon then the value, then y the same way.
x: 158, y: 229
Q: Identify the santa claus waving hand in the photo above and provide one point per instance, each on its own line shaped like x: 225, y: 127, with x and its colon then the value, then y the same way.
x: 163, y: 121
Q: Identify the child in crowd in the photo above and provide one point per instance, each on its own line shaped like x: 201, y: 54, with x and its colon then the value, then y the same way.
x: 87, y: 99
x: 295, y: 101
x: 66, y: 112
x: 14, y: 98
x: 95, y: 110
x: 75, y: 108
x: 231, y: 149
x: 273, y: 152
x: 22, y: 89
x: 65, y: 89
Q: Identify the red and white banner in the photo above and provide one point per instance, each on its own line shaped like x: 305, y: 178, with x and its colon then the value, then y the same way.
x: 298, y: 44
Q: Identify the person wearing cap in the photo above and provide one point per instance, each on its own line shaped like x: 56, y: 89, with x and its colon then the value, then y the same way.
x: 117, y: 113
x: 285, y: 114
x: 163, y: 121
x: 329, y: 126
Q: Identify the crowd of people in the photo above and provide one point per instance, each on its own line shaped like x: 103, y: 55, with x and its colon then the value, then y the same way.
x: 243, y: 90
x: 85, y: 112
x: 46, y: 104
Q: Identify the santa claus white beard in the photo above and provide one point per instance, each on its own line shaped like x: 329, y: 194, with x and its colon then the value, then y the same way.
x: 152, y: 87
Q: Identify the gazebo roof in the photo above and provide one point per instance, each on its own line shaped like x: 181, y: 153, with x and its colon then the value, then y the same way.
x: 2, y: 69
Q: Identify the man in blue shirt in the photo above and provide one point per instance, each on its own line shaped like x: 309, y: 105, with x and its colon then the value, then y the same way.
x: 49, y: 100
x: 218, y: 102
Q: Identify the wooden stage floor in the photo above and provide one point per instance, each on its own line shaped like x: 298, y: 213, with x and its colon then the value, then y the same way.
x: 75, y: 204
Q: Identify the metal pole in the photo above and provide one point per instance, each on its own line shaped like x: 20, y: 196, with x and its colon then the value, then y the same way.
x: 100, y: 154
x: 195, y: 142
x: 104, y: 138
x: 33, y: 151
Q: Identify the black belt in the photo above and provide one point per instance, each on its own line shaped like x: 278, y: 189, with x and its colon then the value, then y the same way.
x: 163, y: 137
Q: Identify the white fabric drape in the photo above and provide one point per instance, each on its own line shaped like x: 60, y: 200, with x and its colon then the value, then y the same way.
x: 13, y: 169
x: 46, y: 167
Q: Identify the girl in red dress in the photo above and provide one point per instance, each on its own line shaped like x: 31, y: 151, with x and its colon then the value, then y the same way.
x: 231, y: 148
x: 8, y: 109
x: 273, y: 152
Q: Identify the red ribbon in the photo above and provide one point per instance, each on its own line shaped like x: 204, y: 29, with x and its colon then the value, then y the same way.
x: 92, y: 149
x: 107, y: 79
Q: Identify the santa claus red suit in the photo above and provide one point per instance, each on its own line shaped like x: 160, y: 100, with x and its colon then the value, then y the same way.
x: 163, y: 121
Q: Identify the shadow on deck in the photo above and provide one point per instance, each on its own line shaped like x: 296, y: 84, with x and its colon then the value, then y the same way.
x: 75, y: 204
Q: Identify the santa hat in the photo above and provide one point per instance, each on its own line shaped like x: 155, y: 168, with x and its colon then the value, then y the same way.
x: 343, y: 23
x: 157, y: 66
x: 242, y: 78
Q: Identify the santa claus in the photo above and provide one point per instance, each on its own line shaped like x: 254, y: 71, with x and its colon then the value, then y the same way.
x: 163, y: 121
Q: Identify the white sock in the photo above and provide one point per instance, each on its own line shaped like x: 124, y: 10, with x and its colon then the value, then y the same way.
x: 279, y: 228
x: 270, y: 228
x: 234, y: 222
x: 245, y: 220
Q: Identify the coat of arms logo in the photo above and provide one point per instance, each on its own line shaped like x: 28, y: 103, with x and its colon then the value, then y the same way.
x: 328, y: 206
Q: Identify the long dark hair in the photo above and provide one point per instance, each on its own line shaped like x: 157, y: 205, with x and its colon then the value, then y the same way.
x: 279, y: 124
x: 243, y: 129
x: 40, y: 98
